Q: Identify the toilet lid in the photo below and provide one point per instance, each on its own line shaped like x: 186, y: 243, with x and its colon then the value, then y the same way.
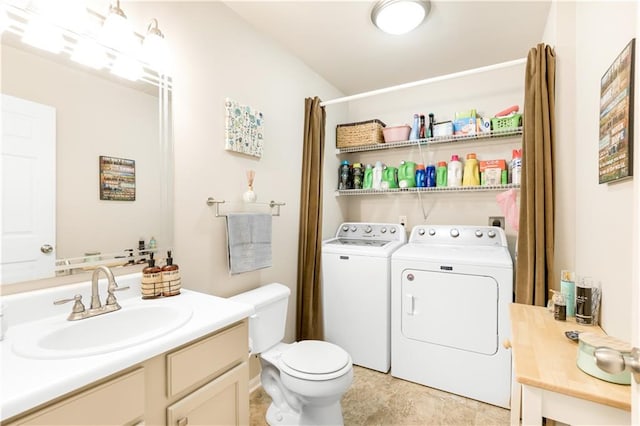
x: 315, y: 357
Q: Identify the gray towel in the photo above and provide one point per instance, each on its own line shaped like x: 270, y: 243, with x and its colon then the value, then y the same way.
x: 249, y: 241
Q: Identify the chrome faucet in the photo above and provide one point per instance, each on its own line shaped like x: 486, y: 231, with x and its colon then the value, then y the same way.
x: 111, y: 304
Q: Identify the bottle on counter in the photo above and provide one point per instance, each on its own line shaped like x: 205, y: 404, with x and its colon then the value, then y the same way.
x: 471, y: 175
x: 171, y: 283
x: 377, y: 176
x: 421, y: 176
x: 415, y: 129
x: 431, y: 178
x: 441, y: 174
x: 151, y: 284
x: 454, y: 172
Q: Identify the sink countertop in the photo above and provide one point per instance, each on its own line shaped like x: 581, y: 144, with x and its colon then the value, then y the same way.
x: 27, y: 383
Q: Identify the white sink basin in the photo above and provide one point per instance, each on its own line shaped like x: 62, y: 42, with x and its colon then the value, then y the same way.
x: 56, y: 338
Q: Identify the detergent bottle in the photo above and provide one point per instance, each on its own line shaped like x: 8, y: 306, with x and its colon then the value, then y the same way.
x: 421, y: 176
x: 376, y: 180
x: 441, y: 174
x: 407, y: 174
x: 389, y: 177
x: 454, y: 172
x: 471, y: 175
x: 367, y: 183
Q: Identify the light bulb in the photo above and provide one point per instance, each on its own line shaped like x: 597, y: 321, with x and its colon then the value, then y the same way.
x: 116, y: 31
x: 155, y: 52
x: 90, y: 53
x: 127, y: 67
x: 43, y: 35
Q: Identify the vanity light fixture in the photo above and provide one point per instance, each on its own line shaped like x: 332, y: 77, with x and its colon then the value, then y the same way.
x: 44, y: 35
x: 4, y: 19
x: 399, y: 16
x: 154, y: 48
x: 116, y: 31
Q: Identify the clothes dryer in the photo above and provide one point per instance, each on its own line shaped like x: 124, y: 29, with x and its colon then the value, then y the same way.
x: 356, y: 293
x: 451, y: 290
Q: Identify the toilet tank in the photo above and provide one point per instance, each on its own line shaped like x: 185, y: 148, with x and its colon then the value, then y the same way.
x: 267, y: 325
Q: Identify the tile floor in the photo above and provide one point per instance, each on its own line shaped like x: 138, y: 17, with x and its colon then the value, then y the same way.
x: 380, y: 399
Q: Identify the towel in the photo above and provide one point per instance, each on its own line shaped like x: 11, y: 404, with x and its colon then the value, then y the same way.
x: 249, y: 241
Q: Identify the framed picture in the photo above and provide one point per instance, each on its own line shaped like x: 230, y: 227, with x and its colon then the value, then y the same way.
x: 615, y: 147
x: 117, y: 179
x: 244, y: 129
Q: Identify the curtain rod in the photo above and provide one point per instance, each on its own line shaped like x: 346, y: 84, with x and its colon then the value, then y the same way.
x: 425, y: 81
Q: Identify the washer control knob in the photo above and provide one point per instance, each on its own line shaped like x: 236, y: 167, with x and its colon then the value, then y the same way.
x: 392, y: 230
x: 421, y: 231
x: 354, y: 229
x: 479, y: 233
x: 368, y: 229
x: 383, y: 230
x: 345, y: 228
x: 491, y: 233
x: 432, y: 232
x: 454, y: 233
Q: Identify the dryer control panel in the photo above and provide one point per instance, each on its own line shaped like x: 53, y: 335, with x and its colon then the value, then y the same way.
x: 374, y: 231
x: 459, y: 235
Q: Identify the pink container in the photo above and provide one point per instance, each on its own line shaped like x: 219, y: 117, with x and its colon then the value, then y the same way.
x: 396, y: 133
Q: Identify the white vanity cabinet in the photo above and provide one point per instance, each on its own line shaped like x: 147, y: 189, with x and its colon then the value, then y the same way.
x: 202, y: 382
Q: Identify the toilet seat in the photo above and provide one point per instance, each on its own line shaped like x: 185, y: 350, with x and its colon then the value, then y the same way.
x: 315, y: 360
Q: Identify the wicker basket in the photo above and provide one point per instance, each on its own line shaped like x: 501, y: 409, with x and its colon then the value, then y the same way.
x: 505, y: 124
x: 362, y: 133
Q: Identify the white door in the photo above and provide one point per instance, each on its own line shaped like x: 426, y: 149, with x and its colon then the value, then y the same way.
x: 28, y: 186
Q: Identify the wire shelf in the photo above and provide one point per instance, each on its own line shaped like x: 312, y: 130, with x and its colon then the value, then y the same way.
x: 483, y: 188
x: 431, y: 141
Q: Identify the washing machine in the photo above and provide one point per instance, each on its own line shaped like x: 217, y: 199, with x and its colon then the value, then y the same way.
x: 451, y: 287
x: 356, y: 291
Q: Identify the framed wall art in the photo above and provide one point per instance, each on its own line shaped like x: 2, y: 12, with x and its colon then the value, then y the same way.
x: 615, y: 147
x: 117, y: 179
x: 244, y: 129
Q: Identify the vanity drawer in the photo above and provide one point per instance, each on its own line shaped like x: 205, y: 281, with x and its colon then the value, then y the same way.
x: 118, y: 401
x: 200, y: 362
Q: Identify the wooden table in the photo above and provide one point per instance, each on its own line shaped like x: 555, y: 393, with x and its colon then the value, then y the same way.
x: 547, y: 381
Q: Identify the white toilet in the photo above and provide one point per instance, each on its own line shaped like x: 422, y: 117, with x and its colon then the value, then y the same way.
x: 306, y: 379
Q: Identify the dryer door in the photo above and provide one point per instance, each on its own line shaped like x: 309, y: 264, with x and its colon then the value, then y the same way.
x: 450, y: 309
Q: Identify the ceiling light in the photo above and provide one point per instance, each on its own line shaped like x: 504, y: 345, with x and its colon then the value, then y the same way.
x: 154, y: 48
x: 399, y: 16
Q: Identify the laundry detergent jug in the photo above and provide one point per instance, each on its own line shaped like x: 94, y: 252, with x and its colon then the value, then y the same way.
x: 389, y: 177
x: 407, y: 174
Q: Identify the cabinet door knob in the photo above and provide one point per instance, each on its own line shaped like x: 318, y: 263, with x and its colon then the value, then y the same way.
x: 506, y: 344
x: 184, y: 421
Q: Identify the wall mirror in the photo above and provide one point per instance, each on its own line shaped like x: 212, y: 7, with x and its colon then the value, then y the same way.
x: 84, y: 114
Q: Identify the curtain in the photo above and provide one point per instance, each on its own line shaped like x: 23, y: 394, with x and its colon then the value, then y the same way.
x: 534, y: 265
x: 309, y: 302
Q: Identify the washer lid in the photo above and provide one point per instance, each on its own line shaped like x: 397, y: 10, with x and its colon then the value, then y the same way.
x: 315, y: 357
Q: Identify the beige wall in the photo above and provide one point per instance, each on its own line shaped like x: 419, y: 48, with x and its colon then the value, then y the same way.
x: 603, y: 212
x: 593, y: 221
x: 94, y: 116
x: 217, y: 55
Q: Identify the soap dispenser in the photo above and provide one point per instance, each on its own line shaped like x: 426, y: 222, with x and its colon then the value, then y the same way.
x: 151, y: 280
x: 171, y: 282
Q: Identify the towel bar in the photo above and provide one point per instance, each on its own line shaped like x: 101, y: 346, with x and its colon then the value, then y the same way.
x: 213, y: 202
